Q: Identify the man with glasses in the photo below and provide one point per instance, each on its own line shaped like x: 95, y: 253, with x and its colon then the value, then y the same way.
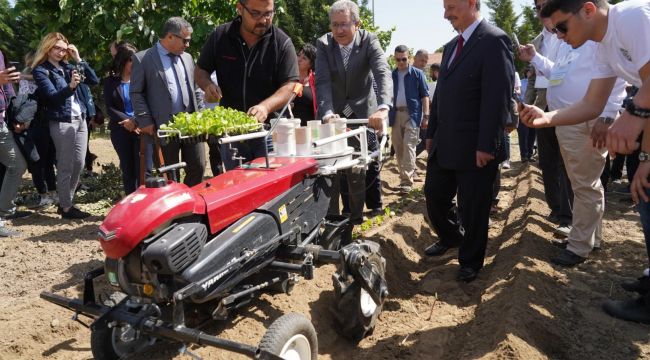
x: 557, y: 188
x: 167, y: 63
x: 348, y: 59
x: 409, y: 113
x: 256, y: 67
x: 623, y: 34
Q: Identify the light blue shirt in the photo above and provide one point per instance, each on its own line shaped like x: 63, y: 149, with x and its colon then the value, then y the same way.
x: 173, y: 84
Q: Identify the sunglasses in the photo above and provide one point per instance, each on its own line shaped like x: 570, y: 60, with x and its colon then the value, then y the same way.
x: 401, y: 59
x: 185, y: 41
x: 562, y: 27
x: 256, y: 15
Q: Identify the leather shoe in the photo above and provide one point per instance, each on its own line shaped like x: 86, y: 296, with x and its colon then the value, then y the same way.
x: 568, y: 258
x: 561, y: 243
x: 436, y: 249
x: 631, y: 310
x: 466, y: 274
x: 640, y: 285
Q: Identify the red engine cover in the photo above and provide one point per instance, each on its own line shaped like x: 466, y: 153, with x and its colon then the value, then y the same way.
x: 226, y: 198
x: 236, y: 193
x: 144, y: 211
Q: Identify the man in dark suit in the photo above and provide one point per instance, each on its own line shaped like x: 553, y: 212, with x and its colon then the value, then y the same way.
x: 347, y: 61
x: 469, y: 109
x: 162, y: 85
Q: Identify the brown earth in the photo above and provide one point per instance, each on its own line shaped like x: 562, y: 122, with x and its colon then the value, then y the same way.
x: 521, y: 306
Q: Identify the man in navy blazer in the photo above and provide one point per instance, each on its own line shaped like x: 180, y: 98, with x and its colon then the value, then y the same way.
x: 466, y: 143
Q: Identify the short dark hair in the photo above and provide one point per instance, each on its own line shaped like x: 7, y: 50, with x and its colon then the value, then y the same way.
x: 175, y: 25
x: 124, y: 53
x: 401, y: 49
x: 568, y: 6
x: 309, y: 51
x: 435, y: 66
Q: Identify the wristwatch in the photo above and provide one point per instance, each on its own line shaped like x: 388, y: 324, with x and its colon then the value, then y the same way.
x: 606, y: 120
x: 637, y: 111
x: 643, y: 156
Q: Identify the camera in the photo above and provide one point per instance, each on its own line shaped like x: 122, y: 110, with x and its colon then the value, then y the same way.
x: 80, y: 70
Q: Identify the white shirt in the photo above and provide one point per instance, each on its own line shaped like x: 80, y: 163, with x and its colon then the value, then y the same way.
x: 549, y: 48
x: 569, y: 77
x: 466, y: 35
x: 625, y: 49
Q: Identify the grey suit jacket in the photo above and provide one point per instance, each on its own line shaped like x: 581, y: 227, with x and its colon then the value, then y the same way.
x: 335, y: 86
x: 151, y: 99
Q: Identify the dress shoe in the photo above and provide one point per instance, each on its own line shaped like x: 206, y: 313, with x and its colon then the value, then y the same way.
x: 568, y: 258
x: 631, y: 310
x: 561, y: 243
x: 640, y: 285
x: 466, y: 274
x: 436, y: 249
x: 18, y: 215
x: 376, y: 212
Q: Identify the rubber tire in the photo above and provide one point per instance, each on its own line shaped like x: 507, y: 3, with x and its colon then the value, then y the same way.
x: 284, y: 328
x: 353, y: 324
x: 101, y: 344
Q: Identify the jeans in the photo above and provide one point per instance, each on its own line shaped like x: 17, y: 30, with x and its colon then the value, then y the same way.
x: 70, y: 140
x: 43, y: 175
x: 15, y: 164
x: 644, y: 210
x: 526, y: 141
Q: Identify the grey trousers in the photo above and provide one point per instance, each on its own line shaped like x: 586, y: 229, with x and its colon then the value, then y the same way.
x: 14, y: 161
x: 71, y: 142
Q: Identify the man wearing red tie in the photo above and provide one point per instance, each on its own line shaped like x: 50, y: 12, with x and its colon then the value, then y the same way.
x: 466, y: 138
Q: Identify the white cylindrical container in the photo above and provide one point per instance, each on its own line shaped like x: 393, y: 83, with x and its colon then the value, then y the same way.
x: 340, y: 127
x: 295, y: 122
x: 327, y: 130
x: 314, y: 126
x: 303, y: 141
x: 285, y: 140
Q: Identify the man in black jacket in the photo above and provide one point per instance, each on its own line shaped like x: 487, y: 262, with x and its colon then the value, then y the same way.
x: 469, y: 109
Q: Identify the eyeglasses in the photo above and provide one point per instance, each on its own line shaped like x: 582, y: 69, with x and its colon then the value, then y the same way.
x: 344, y: 25
x: 258, y: 15
x: 562, y: 27
x: 401, y: 59
x: 59, y: 49
x: 185, y: 41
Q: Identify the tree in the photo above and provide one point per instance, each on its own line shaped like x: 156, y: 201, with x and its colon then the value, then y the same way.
x: 306, y: 20
x: 92, y: 25
x: 503, y: 15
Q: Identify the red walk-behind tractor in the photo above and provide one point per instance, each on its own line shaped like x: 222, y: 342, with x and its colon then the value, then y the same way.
x: 180, y: 256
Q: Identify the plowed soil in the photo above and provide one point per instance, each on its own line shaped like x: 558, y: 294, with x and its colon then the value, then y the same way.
x: 520, y: 307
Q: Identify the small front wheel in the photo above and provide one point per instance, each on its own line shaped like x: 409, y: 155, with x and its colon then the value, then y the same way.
x: 291, y: 337
x: 117, y: 342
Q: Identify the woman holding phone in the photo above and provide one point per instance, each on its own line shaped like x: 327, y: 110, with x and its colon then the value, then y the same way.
x: 58, y: 88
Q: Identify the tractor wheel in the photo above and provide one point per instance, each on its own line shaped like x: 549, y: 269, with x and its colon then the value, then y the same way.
x: 291, y: 337
x: 117, y: 342
x: 355, y: 311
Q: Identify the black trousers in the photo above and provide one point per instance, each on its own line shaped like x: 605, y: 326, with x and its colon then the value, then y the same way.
x: 127, y: 147
x: 557, y: 187
x: 192, y: 154
x: 474, y: 189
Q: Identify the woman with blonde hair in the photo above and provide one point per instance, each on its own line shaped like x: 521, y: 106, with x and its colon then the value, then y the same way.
x: 58, y: 71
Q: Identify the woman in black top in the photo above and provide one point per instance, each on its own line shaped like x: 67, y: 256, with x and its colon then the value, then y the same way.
x: 125, y: 134
x: 304, y: 107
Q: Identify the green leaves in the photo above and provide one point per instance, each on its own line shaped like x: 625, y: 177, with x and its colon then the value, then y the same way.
x: 216, y: 122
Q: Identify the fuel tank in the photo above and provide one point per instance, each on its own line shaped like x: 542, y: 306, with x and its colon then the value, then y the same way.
x: 146, y: 211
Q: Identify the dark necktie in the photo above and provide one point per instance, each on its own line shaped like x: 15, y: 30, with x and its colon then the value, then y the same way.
x: 179, y: 73
x: 345, y: 54
x: 459, y: 48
